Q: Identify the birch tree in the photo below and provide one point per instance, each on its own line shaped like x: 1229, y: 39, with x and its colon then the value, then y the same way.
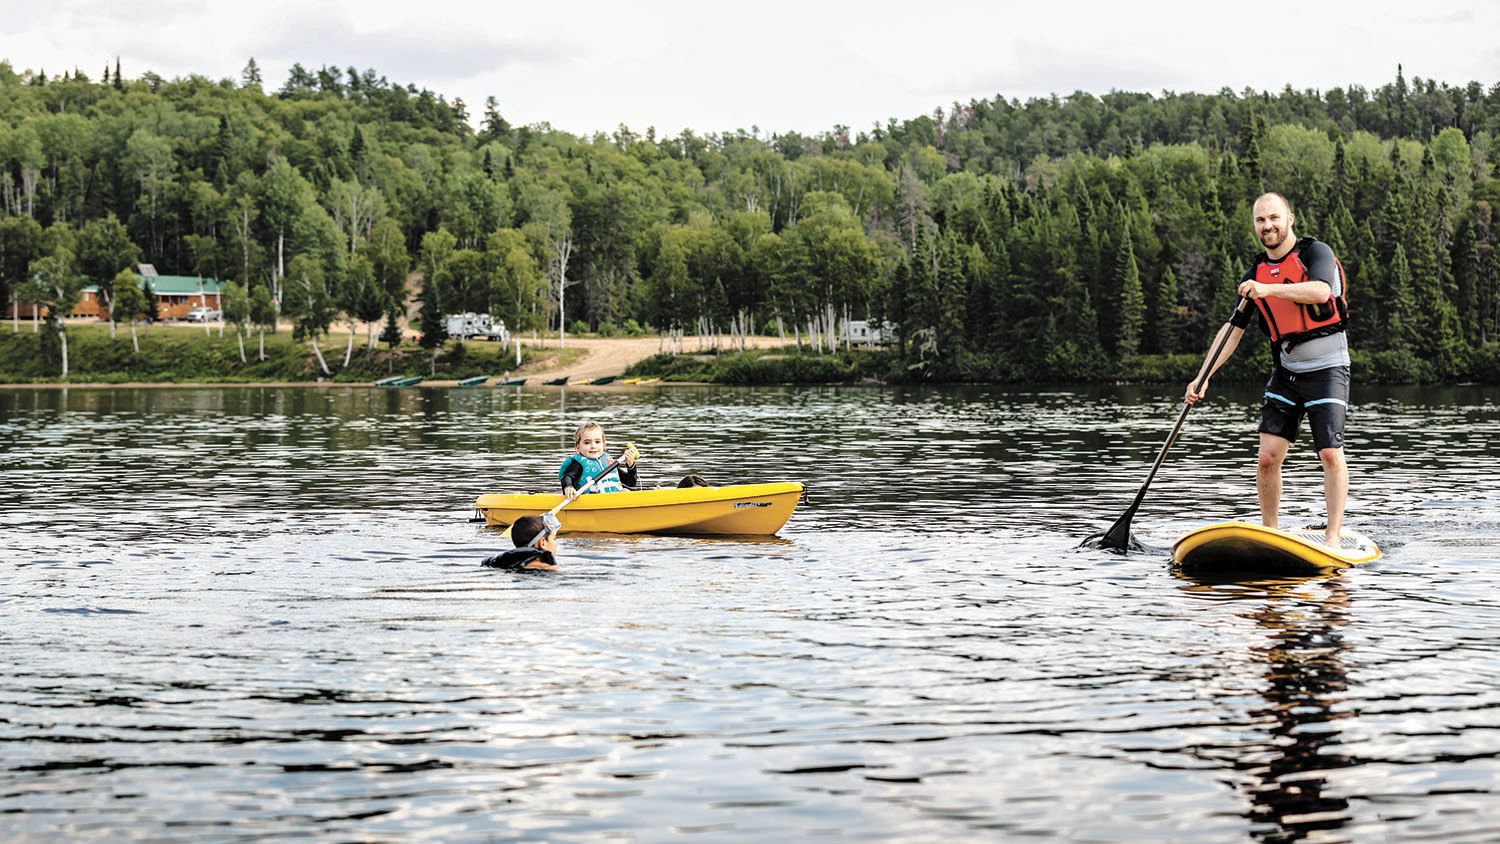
x: 562, y: 249
x: 61, y: 288
x: 355, y: 208
x: 130, y: 302
x: 309, y: 303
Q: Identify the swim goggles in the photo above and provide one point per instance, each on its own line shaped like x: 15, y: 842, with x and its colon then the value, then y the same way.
x: 552, y: 525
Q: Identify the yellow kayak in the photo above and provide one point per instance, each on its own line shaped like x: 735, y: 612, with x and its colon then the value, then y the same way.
x: 1246, y: 547
x: 717, y: 510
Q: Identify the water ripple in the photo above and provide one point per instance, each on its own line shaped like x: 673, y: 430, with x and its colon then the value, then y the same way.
x: 247, y: 613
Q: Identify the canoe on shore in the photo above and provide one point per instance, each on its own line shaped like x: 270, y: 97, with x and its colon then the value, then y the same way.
x: 1244, y: 547
x: 510, y: 382
x: 556, y: 382
x: 741, y: 509
x: 473, y: 382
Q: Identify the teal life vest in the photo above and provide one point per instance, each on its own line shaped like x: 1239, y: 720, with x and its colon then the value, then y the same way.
x: 591, y: 467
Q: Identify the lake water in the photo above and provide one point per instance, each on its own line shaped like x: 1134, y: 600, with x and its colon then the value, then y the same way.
x: 250, y: 613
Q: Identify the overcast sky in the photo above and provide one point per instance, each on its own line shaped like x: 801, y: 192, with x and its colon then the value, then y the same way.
x: 779, y: 65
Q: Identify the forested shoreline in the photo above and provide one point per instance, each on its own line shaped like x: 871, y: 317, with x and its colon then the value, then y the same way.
x: 1077, y: 238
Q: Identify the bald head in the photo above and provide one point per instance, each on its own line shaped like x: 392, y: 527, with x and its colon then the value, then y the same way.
x: 1274, y: 197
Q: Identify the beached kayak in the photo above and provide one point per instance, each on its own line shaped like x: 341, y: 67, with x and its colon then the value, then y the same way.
x: 1231, y: 547
x: 719, y: 510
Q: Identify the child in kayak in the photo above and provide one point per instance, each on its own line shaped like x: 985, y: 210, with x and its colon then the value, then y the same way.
x: 591, y: 460
x: 536, y: 545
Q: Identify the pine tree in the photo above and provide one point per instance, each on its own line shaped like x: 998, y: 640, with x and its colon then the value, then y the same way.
x: 1401, y: 329
x: 923, y: 287
x: 1132, y: 300
x: 999, y: 331
x: 977, y: 315
x: 495, y: 127
x: 900, y: 303
x: 1489, y: 292
x: 390, y: 334
x: 119, y: 81
x: 357, y: 154
x: 430, y: 320
x: 1225, y: 287
x: 1467, y: 279
x: 1252, y: 134
x: 250, y: 76
x: 1341, y: 177
x: 1164, y: 320
x: 951, y: 298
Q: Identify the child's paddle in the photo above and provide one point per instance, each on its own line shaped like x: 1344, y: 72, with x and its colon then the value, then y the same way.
x: 612, y: 465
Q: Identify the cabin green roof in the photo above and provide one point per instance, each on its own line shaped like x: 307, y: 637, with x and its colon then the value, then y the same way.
x: 174, y: 285
x: 180, y: 284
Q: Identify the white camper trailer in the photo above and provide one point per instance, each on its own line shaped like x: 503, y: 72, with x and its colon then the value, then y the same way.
x: 468, y: 326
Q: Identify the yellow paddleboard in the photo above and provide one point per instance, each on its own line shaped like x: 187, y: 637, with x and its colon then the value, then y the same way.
x: 1244, y: 547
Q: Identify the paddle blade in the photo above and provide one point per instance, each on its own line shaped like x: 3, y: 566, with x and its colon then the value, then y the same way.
x: 1118, y: 538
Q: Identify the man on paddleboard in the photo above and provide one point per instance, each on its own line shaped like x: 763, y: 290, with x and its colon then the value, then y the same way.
x: 1299, y: 293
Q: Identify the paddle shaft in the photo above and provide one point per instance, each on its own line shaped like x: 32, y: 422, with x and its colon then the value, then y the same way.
x: 612, y: 465
x: 1118, y: 536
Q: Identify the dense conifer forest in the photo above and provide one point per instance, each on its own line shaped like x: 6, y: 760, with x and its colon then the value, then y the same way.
x: 1075, y: 238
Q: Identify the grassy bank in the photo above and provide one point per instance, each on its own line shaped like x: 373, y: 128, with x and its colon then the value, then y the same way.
x: 182, y: 353
x: 788, y: 365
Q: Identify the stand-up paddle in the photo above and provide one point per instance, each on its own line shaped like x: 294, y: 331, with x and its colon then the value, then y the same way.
x: 1118, y: 537
x: 612, y: 465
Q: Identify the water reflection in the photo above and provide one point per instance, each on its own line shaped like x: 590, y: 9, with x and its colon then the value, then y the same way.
x: 1285, y: 770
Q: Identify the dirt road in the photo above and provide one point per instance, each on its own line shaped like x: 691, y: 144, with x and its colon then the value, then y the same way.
x: 610, y: 355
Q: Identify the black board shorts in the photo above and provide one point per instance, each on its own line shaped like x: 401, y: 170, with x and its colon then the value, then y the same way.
x: 1323, y: 395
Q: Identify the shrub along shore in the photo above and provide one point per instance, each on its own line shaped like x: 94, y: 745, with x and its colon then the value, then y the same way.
x: 175, y: 354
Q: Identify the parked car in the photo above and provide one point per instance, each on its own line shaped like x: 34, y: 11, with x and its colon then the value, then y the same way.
x: 202, y: 313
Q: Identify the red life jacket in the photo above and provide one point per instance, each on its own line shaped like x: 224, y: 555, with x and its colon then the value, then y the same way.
x: 1294, y: 321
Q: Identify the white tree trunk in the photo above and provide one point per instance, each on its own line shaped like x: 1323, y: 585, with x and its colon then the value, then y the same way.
x: 563, y: 248
x: 349, y: 352
x: 240, y: 336
x: 279, y: 275
x: 135, y: 343
x: 318, y: 353
x: 63, y: 335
